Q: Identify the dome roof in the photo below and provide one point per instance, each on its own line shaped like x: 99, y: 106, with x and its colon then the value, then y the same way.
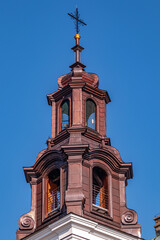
x: 91, y: 79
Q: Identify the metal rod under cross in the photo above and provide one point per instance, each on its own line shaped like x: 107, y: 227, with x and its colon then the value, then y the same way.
x: 77, y: 20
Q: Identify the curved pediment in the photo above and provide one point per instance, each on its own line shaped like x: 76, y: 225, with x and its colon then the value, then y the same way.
x: 111, y: 160
x: 47, y: 160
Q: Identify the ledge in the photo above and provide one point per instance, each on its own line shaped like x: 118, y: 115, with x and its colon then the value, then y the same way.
x: 99, y: 209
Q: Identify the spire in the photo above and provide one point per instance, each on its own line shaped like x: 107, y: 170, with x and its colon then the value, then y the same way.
x: 77, y: 48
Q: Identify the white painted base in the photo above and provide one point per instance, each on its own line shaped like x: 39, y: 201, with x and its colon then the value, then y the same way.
x: 73, y: 227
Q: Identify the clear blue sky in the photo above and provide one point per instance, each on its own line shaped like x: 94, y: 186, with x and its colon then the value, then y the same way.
x: 122, y: 45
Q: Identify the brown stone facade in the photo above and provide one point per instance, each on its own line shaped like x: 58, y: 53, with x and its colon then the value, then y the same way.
x: 85, y: 160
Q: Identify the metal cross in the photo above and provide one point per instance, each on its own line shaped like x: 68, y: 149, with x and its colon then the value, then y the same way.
x: 77, y: 20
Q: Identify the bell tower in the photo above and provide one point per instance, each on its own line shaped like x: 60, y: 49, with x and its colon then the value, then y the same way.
x: 78, y: 182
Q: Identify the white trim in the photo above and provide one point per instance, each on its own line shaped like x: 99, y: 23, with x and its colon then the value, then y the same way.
x: 73, y: 227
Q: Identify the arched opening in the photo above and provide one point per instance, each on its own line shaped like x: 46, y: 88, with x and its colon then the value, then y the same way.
x: 91, y: 114
x: 65, y: 114
x: 53, y: 198
x: 100, y: 188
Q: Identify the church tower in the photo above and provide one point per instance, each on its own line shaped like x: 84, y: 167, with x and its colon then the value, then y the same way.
x: 78, y: 182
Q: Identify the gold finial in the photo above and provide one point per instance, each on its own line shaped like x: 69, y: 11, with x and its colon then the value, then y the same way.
x: 77, y: 36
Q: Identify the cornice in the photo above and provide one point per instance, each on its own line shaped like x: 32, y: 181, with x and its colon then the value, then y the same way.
x: 95, y: 136
x: 63, y: 135
x: 85, y: 131
x: 29, y: 173
x: 101, y: 94
x: 58, y: 94
x: 77, y: 82
x: 72, y: 226
x: 77, y: 149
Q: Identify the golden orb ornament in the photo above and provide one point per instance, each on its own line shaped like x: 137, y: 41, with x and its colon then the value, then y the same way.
x: 77, y: 36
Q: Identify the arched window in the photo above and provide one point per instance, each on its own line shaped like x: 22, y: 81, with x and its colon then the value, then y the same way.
x: 100, y: 188
x: 53, y: 201
x: 65, y: 118
x: 91, y: 114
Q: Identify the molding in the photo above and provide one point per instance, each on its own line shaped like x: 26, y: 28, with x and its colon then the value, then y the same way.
x: 72, y: 150
x: 56, y: 96
x: 95, y: 136
x: 116, y: 164
x: 61, y: 136
x: 76, y: 227
x: 77, y: 64
x: 101, y: 94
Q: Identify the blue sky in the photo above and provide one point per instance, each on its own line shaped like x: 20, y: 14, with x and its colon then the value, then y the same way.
x: 122, y: 45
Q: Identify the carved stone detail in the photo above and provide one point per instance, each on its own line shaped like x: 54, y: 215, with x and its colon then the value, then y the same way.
x: 26, y: 223
x: 129, y: 217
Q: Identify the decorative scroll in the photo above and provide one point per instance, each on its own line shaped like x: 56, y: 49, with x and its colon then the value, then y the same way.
x: 26, y: 223
x: 129, y: 217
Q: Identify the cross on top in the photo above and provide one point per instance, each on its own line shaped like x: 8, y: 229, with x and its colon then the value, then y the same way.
x: 77, y: 20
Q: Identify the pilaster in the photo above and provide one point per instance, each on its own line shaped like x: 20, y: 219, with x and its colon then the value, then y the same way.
x: 74, y: 197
